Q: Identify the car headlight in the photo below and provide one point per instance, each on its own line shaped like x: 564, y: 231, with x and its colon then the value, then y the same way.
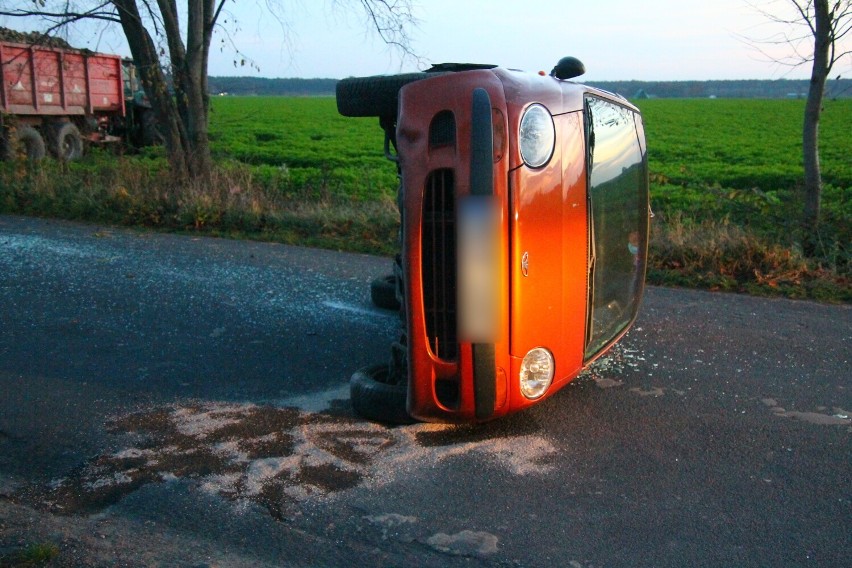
x: 536, y: 372
x: 537, y: 136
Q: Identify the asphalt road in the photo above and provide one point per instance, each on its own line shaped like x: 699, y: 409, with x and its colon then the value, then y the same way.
x: 177, y: 401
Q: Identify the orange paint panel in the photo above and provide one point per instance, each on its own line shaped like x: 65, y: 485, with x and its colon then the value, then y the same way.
x: 575, y: 247
x: 549, y: 253
x: 536, y: 259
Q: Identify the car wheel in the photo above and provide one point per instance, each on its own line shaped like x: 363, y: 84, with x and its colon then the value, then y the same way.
x: 65, y: 142
x: 373, y: 96
x: 376, y: 399
x: 383, y: 292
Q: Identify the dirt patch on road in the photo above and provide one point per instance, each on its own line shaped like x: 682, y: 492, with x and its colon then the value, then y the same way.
x: 264, y: 454
x: 273, y: 456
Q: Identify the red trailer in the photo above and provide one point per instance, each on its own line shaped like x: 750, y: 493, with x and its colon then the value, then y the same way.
x: 52, y: 98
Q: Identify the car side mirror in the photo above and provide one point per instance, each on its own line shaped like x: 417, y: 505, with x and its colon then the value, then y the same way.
x: 568, y: 68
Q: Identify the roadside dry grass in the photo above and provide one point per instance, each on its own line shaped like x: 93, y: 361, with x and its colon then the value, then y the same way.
x: 136, y: 192
x: 721, y: 255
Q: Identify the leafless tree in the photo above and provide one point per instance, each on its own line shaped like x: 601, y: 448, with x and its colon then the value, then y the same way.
x: 813, y: 34
x: 157, y: 42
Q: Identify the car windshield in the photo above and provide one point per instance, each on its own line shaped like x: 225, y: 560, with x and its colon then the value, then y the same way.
x: 618, y: 221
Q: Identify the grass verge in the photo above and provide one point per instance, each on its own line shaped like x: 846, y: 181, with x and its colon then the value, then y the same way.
x: 721, y: 255
x: 131, y: 191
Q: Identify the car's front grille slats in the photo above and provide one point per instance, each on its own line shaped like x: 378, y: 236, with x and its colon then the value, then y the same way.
x: 439, y: 263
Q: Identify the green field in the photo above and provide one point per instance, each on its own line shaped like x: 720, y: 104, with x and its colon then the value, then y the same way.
x: 735, y: 144
x: 725, y: 180
x: 743, y: 157
x: 303, y: 146
x: 744, y: 143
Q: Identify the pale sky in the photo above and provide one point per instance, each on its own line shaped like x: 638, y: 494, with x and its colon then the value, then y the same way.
x: 616, y: 39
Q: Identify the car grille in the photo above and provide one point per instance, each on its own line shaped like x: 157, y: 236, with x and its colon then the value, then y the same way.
x: 438, y: 256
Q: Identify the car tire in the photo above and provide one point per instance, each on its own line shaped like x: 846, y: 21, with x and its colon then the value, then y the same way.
x: 373, y: 96
x: 383, y: 292
x: 66, y: 143
x: 375, y: 399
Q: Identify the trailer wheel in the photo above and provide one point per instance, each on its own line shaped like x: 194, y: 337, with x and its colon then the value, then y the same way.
x: 66, y: 143
x: 374, y: 398
x: 24, y: 140
x: 373, y: 96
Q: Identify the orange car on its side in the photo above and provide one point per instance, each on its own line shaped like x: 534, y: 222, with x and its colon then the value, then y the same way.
x: 524, y: 206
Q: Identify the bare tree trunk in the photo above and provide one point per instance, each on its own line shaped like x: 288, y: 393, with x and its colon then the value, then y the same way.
x: 198, y: 38
x: 813, y: 108
x: 189, y: 73
x: 147, y: 59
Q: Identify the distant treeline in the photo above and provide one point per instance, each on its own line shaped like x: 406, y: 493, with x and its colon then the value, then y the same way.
x: 263, y: 86
x: 746, y: 89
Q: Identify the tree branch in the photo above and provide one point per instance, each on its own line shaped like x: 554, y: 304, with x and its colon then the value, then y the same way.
x: 95, y: 13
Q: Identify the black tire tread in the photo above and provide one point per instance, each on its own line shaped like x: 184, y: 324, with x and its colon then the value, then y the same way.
x: 373, y: 96
x: 376, y: 400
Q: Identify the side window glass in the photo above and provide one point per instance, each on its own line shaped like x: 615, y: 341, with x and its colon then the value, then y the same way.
x: 617, y: 219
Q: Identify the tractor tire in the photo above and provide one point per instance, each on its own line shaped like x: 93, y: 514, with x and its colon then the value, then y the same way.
x: 383, y: 292
x: 373, y: 96
x: 66, y: 143
x: 375, y: 399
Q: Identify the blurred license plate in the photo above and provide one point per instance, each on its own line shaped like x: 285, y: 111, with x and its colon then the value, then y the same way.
x: 478, y: 239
